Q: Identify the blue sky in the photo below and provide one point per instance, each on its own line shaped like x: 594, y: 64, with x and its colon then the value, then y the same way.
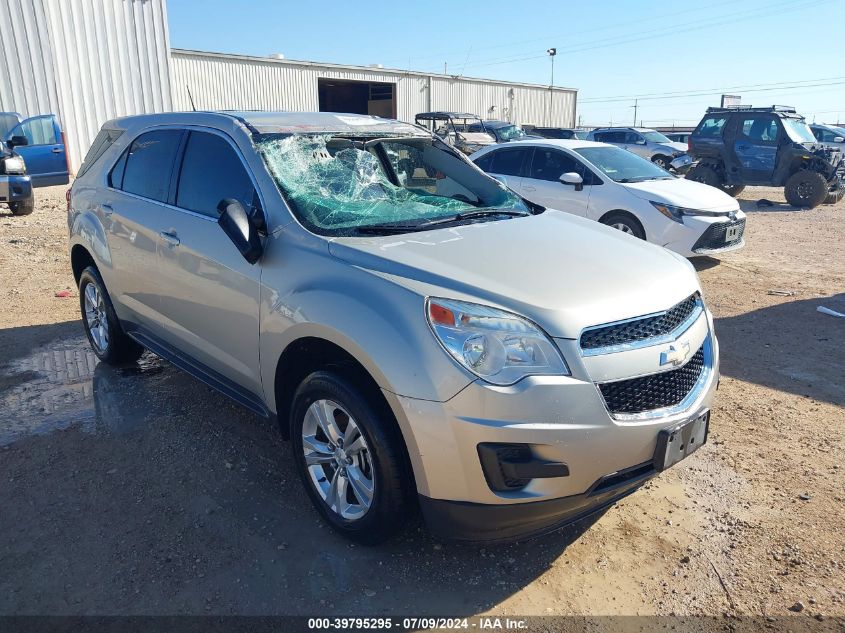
x: 767, y: 51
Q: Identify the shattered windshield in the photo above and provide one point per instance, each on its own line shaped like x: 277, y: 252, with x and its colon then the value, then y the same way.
x: 798, y: 130
x: 339, y: 185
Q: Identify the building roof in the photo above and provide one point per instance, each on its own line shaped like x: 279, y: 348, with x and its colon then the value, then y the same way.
x: 368, y: 69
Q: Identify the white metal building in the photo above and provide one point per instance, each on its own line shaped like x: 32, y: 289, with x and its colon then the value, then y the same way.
x: 88, y: 61
x: 231, y: 82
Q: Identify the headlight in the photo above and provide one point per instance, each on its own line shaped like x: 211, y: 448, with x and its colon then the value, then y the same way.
x: 671, y: 212
x: 14, y: 165
x: 495, y: 345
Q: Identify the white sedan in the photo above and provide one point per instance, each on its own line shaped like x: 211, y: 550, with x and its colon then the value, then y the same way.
x: 605, y: 183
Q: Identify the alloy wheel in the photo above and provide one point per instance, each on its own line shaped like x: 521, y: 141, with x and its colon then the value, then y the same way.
x: 338, y: 459
x: 95, y: 318
x: 623, y: 227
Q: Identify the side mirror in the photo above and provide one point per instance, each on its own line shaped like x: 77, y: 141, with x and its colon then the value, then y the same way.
x: 839, y: 139
x: 571, y: 178
x: 239, y: 227
x: 17, y: 141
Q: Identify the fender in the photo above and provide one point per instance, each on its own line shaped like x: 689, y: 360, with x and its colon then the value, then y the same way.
x: 386, y: 333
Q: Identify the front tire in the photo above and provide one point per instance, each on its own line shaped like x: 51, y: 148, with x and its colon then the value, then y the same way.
x: 806, y: 188
x: 624, y: 222
x: 105, y: 334
x: 24, y: 207
x: 350, y: 456
x: 661, y: 161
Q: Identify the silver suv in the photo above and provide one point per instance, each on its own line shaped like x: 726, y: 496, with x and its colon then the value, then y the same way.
x: 649, y: 144
x: 425, y: 337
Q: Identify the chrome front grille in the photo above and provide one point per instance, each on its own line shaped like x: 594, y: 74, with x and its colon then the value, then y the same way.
x: 655, y: 391
x: 648, y: 329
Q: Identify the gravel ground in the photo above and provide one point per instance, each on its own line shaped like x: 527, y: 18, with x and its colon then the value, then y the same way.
x: 141, y: 491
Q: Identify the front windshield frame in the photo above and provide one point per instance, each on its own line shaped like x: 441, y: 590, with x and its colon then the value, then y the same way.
x: 653, y: 136
x: 629, y: 167
x: 798, y: 131
x: 387, y: 202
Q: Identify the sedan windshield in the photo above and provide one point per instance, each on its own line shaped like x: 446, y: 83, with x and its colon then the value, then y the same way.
x: 655, y: 137
x: 345, y: 186
x: 622, y: 166
x: 798, y: 131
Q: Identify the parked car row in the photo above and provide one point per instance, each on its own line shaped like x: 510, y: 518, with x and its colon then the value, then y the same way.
x: 425, y: 335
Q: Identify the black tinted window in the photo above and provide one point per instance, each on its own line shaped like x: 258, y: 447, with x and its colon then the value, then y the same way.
x: 760, y: 128
x: 211, y: 171
x: 116, y: 175
x: 485, y: 162
x: 711, y: 126
x: 549, y: 164
x: 149, y: 164
x: 508, y: 162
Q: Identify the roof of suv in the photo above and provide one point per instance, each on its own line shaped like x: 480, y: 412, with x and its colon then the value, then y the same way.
x: 278, y: 122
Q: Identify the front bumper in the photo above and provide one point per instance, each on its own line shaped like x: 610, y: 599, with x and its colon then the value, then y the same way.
x: 563, y: 419
x: 682, y: 164
x: 14, y: 188
x: 702, y: 235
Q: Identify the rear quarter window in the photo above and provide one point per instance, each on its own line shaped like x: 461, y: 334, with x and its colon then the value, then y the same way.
x: 104, y: 140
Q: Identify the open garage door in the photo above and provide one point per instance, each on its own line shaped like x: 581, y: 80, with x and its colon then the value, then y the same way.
x: 357, y: 97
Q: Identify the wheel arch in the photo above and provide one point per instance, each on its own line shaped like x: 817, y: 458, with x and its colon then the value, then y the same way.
x: 317, y: 351
x: 627, y: 213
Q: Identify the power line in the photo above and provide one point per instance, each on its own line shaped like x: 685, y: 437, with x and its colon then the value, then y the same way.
x: 727, y: 18
x: 785, y: 85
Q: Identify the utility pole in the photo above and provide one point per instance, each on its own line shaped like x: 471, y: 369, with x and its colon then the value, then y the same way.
x: 635, y: 112
x: 445, y: 67
x: 552, y: 53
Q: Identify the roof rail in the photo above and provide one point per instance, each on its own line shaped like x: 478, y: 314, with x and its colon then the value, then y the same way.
x: 771, y: 108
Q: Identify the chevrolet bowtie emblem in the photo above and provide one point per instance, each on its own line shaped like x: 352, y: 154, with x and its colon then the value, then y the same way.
x: 675, y: 355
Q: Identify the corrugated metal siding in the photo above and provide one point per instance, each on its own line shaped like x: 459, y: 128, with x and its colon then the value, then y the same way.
x: 86, y: 61
x: 219, y: 81
x: 27, y: 83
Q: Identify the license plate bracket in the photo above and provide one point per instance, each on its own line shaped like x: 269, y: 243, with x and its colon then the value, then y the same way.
x: 732, y: 233
x: 678, y: 442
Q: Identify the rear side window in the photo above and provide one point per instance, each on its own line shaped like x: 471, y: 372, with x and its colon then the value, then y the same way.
x: 549, y: 164
x: 102, y: 142
x: 148, y: 165
x: 711, y: 127
x: 211, y: 171
x: 509, y: 162
x: 760, y: 129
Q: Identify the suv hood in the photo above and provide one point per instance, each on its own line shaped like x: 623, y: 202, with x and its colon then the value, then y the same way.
x: 563, y: 272
x: 676, y: 147
x: 680, y: 192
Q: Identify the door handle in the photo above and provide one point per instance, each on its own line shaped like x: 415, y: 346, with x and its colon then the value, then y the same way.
x: 169, y: 238
x: 106, y: 210
x: 58, y: 150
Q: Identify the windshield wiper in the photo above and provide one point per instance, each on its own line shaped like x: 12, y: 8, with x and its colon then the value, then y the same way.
x: 376, y: 229
x: 471, y: 215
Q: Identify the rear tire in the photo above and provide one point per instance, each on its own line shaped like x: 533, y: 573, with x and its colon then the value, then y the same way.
x: 806, y: 188
x: 355, y: 471
x: 105, y: 334
x: 624, y: 222
x: 709, y: 176
x: 24, y: 207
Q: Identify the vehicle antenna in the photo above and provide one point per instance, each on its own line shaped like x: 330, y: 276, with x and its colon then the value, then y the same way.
x: 191, y: 97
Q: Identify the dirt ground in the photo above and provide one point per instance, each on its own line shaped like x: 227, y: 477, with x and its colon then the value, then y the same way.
x: 141, y: 491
